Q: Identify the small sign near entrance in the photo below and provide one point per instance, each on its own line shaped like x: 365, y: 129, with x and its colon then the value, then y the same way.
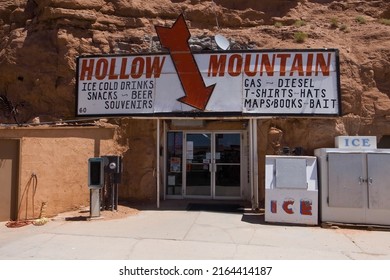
x: 356, y: 142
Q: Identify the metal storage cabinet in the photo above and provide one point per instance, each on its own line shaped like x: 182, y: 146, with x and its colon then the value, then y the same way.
x: 291, y: 189
x: 354, y: 186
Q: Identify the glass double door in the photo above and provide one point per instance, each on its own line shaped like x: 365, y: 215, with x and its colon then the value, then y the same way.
x: 212, y: 166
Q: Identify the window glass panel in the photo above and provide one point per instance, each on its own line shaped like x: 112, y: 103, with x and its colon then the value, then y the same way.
x: 227, y: 148
x: 174, y: 163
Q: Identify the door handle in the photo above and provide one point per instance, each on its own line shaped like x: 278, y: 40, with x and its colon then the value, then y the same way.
x: 361, y: 180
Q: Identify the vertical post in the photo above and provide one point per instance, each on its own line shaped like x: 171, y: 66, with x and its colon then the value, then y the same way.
x: 116, y: 196
x: 164, y: 158
x: 95, y: 203
x: 251, y: 162
x: 113, y: 193
x: 158, y: 163
x: 255, y: 166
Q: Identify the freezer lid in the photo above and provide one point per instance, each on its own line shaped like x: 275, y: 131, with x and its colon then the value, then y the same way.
x: 290, y: 173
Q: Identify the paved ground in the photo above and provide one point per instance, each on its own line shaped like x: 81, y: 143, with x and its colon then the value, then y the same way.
x: 180, y: 234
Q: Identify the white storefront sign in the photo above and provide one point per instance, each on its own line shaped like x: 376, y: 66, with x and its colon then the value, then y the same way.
x: 277, y: 82
x: 356, y: 142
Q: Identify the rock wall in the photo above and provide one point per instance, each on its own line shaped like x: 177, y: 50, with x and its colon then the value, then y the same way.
x: 40, y: 40
x: 139, y: 159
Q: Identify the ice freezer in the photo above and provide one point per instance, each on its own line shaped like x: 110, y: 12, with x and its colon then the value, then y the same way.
x: 291, y: 190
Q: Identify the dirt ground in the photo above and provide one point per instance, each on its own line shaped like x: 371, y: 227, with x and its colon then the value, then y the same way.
x: 83, y: 214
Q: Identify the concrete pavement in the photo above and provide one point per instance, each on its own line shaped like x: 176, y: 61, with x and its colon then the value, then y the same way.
x: 189, y: 235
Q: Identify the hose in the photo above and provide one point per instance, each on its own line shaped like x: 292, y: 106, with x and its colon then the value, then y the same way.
x: 19, y: 223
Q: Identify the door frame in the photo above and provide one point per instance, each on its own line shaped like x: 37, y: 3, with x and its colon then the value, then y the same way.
x: 243, y: 164
x: 184, y: 169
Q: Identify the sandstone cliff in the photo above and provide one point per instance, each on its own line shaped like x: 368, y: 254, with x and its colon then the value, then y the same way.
x: 40, y: 39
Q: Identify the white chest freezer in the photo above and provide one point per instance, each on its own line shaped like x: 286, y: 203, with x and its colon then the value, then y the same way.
x: 291, y: 189
x: 354, y: 185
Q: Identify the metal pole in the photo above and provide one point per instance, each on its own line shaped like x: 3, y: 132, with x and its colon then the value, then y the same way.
x: 164, y: 158
x: 95, y: 203
x: 251, y: 162
x: 116, y: 195
x: 255, y: 166
x: 112, y: 185
x: 158, y: 163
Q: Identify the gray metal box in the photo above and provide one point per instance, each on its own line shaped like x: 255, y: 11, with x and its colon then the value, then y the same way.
x: 354, y: 185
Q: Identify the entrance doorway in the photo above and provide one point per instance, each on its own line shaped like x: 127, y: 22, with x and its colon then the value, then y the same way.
x: 9, y: 170
x: 205, y: 165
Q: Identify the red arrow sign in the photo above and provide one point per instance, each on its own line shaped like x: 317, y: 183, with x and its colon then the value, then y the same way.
x: 176, y: 40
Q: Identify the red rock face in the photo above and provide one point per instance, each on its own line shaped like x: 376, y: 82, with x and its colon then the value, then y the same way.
x: 40, y: 40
